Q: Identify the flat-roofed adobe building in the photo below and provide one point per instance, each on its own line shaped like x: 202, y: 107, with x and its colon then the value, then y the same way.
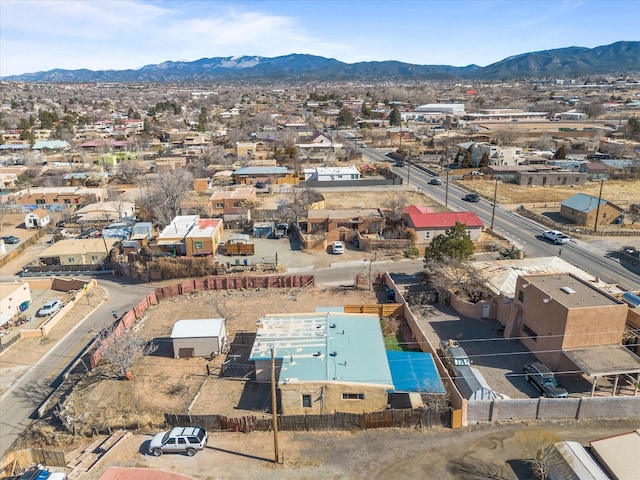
x: 78, y: 251
x: 560, y: 312
x: 204, y: 237
x: 325, y: 362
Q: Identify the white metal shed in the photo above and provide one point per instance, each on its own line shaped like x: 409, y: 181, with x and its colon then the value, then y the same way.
x: 204, y: 337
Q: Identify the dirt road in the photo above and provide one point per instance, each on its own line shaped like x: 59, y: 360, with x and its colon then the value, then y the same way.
x: 375, y: 454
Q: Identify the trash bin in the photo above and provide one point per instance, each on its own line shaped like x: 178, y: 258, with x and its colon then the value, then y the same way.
x: 246, y: 262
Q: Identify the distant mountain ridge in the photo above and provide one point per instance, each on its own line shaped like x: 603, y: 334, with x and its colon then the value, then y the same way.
x: 617, y: 58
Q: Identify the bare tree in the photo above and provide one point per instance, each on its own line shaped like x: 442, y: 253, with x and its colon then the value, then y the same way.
x: 131, y: 171
x: 6, y: 207
x: 299, y: 202
x: 167, y: 195
x: 539, y: 445
x: 122, y: 348
x: 505, y: 136
x: 393, y: 207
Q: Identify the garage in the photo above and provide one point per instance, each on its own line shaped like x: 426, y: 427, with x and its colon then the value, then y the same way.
x: 206, y: 337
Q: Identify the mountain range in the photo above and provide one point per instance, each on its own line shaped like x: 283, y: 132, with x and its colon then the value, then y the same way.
x: 618, y: 58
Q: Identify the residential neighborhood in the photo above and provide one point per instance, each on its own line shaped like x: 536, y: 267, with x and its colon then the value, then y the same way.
x: 295, y: 258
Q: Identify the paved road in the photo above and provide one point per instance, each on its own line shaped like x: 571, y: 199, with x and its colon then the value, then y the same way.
x: 19, y: 403
x: 525, y: 233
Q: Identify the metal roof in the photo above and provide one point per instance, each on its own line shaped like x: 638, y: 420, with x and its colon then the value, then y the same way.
x: 502, y: 275
x: 325, y: 346
x: 198, y: 328
x: 261, y: 171
x: 619, y: 454
x: 576, y: 460
x: 414, y: 372
x: 582, y: 202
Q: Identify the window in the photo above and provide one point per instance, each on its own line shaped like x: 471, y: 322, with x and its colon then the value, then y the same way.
x: 72, y: 260
x: 68, y: 201
x: 427, y: 234
x: 55, y: 200
x: 520, y: 296
x: 604, y: 214
x: 306, y: 401
x: 182, y: 441
x: 94, y: 258
x: 353, y: 396
x: 219, y: 205
x: 39, y: 201
x: 198, y: 245
x: 171, y: 441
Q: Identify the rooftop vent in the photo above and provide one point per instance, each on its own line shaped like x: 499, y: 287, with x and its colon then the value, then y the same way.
x: 568, y: 290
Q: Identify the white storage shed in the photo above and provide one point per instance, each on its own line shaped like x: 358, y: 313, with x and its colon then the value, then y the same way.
x: 204, y: 337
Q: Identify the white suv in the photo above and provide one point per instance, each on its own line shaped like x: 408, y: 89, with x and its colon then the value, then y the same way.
x: 337, y: 248
x: 179, y: 439
x: 555, y: 236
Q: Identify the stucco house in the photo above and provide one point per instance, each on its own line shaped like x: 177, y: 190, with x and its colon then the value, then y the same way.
x: 332, y: 174
x: 234, y: 197
x: 339, y: 222
x: 77, y: 251
x: 582, y: 209
x: 204, y: 237
x: 254, y: 174
x: 567, y: 323
x: 15, y: 297
x: 427, y: 224
x: 172, y: 237
x: 325, y: 362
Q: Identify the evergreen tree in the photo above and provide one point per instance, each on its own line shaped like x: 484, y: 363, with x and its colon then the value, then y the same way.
x: 455, y: 244
x: 202, y: 120
x: 561, y: 153
x: 395, y: 119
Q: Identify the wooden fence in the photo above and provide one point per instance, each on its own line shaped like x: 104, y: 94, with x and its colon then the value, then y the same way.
x: 401, y: 418
x: 19, y: 460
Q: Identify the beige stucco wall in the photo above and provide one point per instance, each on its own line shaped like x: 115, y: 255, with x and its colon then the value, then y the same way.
x: 557, y: 327
x: 12, y: 295
x: 595, y: 326
x: 326, y: 397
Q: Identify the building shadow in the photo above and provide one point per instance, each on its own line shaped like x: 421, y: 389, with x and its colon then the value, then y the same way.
x: 164, y: 347
x: 255, y: 397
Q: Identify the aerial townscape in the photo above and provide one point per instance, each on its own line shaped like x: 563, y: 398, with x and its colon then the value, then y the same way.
x: 293, y: 266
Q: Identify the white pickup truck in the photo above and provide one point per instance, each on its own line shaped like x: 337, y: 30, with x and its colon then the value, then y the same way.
x: 556, y: 237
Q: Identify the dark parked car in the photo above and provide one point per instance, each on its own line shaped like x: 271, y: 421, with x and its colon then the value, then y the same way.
x: 471, y: 197
x: 261, y: 185
x: 10, y: 239
x: 544, y: 380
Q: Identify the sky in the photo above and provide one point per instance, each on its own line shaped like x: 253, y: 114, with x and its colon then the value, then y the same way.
x: 122, y: 34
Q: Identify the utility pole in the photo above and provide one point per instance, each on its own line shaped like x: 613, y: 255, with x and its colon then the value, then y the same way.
x: 446, y: 188
x: 493, y: 212
x: 595, y: 227
x: 274, y: 404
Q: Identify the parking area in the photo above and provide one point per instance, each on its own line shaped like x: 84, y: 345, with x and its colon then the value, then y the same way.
x: 290, y: 255
x: 499, y: 360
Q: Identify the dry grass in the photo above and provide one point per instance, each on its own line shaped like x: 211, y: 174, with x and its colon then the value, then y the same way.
x: 620, y: 192
x: 164, y: 384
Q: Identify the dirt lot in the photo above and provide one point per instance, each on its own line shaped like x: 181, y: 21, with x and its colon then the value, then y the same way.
x: 164, y: 384
x: 371, y: 197
x: 617, y: 191
x: 374, y: 454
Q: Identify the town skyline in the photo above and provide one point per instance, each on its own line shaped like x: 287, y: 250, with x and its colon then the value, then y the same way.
x: 37, y: 36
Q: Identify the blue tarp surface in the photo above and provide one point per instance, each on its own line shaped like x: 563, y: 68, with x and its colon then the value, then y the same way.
x: 414, y: 372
